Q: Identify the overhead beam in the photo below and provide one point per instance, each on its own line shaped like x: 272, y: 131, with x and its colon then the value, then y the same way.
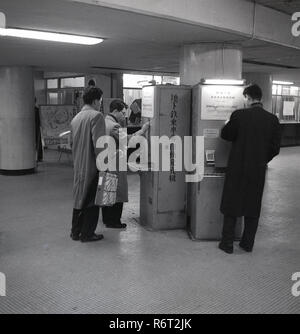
x: 244, y: 18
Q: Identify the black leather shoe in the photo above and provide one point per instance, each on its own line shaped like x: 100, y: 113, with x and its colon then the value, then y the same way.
x: 74, y: 237
x: 120, y: 225
x: 246, y: 249
x: 226, y: 249
x: 95, y: 237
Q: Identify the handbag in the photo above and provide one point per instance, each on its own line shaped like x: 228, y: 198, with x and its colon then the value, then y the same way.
x: 106, y: 189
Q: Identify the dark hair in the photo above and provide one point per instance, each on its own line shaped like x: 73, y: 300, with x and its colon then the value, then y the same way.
x: 117, y: 105
x: 253, y: 91
x: 91, y: 94
x: 92, y: 83
x: 138, y: 102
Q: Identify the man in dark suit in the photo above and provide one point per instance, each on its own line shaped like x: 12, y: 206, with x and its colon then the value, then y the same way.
x: 255, y: 136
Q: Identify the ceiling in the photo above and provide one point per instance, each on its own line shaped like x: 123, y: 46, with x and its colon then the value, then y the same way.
x: 285, y: 6
x: 133, y: 42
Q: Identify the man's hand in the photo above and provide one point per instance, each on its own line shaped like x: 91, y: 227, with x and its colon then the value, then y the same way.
x: 145, y: 127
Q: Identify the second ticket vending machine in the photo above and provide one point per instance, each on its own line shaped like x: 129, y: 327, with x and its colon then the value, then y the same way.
x: 212, y: 105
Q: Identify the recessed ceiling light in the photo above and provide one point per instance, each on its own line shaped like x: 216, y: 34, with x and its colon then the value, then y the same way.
x: 50, y: 36
x: 222, y: 82
x: 288, y: 83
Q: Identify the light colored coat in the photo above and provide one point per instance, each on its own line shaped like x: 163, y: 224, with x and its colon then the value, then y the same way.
x: 86, y: 127
x: 112, y: 129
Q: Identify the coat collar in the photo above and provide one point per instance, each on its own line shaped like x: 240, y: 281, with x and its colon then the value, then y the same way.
x: 257, y: 104
x: 87, y: 107
x: 113, y: 117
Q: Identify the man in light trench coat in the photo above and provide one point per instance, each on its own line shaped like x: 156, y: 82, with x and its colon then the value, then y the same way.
x: 86, y: 128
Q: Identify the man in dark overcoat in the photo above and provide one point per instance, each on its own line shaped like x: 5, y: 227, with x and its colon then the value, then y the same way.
x: 255, y: 135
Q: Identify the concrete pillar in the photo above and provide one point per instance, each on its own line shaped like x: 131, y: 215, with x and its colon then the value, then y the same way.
x: 265, y: 82
x: 117, y: 85
x: 40, y: 87
x: 17, y: 121
x: 210, y: 60
x: 207, y: 61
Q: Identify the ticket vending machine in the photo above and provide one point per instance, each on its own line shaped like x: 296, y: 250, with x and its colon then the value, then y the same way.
x: 212, y: 105
x: 163, y: 194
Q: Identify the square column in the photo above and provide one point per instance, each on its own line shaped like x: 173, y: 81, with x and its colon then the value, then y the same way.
x: 210, y: 60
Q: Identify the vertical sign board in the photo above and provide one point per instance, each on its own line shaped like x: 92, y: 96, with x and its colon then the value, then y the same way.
x: 163, y: 193
x: 173, y: 119
x: 55, y: 119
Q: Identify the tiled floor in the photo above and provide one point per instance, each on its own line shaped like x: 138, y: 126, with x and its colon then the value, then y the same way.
x: 138, y: 271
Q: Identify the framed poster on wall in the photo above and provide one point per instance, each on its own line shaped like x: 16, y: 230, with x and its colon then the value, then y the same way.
x: 55, y: 119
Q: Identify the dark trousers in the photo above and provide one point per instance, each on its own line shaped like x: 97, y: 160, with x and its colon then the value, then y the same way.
x: 84, y: 222
x: 112, y: 214
x: 39, y: 147
x: 249, y: 233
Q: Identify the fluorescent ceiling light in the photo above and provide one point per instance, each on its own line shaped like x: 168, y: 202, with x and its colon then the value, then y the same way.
x: 50, y: 36
x: 275, y: 82
x: 222, y: 82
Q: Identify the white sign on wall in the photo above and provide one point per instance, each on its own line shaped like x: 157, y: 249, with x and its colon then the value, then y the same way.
x: 148, y: 102
x: 219, y: 102
x: 211, y: 133
x: 288, y: 108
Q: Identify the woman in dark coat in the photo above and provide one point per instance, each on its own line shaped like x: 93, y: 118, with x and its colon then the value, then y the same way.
x: 255, y: 137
